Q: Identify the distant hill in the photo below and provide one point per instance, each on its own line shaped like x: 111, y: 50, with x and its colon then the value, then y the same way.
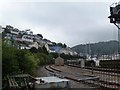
x: 109, y: 47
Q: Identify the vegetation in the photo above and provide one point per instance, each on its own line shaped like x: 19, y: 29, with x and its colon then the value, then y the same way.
x: 40, y: 35
x: 69, y: 57
x: 59, y: 44
x: 110, y: 64
x: 89, y: 63
x: 106, y: 48
x: 66, y: 57
x: 16, y: 61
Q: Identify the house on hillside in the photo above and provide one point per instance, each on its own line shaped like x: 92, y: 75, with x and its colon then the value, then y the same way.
x: 27, y: 38
x: 14, y: 37
x: 46, y: 46
x: 35, y: 44
x: 37, y: 37
x: 8, y: 36
x: 15, y: 31
x: 24, y: 47
x: 54, y: 49
x: 40, y: 44
x: 12, y: 30
x: 59, y: 61
x: 29, y: 32
x: 68, y: 51
x: 23, y: 32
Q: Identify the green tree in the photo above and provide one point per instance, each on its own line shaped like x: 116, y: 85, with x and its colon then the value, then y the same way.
x: 64, y: 45
x: 60, y: 44
x: 44, y: 50
x: 26, y: 61
x: 50, y: 59
x: 10, y: 65
x: 40, y: 35
x: 33, y: 50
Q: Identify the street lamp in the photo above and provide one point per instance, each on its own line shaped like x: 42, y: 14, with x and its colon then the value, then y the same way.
x: 115, y: 19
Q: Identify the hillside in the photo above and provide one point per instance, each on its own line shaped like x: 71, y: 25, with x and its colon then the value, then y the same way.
x: 109, y: 47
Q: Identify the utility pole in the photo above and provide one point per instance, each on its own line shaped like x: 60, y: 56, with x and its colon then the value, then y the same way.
x: 115, y: 19
x: 119, y: 42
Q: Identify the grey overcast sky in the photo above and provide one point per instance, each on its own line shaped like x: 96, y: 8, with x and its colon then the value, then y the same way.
x: 72, y: 23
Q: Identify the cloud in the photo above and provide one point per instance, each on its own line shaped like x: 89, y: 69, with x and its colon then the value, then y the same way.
x: 68, y: 22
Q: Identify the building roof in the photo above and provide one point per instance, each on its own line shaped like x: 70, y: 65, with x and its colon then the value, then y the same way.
x: 58, y: 58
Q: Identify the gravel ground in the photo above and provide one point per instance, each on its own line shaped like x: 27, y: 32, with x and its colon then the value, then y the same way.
x: 79, y: 71
x: 74, y: 72
x: 43, y: 72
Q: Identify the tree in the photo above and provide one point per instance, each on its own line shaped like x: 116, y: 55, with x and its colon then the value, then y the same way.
x: 90, y: 63
x: 99, y: 48
x: 33, y: 50
x: 64, y: 45
x: 42, y: 58
x: 39, y: 49
x: 10, y: 65
x: 49, y: 59
x: 26, y: 61
x: 8, y: 28
x: 44, y: 50
x: 60, y: 44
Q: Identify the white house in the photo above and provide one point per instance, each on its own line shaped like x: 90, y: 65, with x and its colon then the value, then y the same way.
x: 22, y: 32
x: 35, y: 44
x: 29, y: 32
x: 47, y: 47
x: 24, y: 47
x: 68, y: 51
x: 15, y: 31
x: 27, y: 38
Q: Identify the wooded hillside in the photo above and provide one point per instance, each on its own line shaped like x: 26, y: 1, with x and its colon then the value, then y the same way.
x: 109, y: 47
